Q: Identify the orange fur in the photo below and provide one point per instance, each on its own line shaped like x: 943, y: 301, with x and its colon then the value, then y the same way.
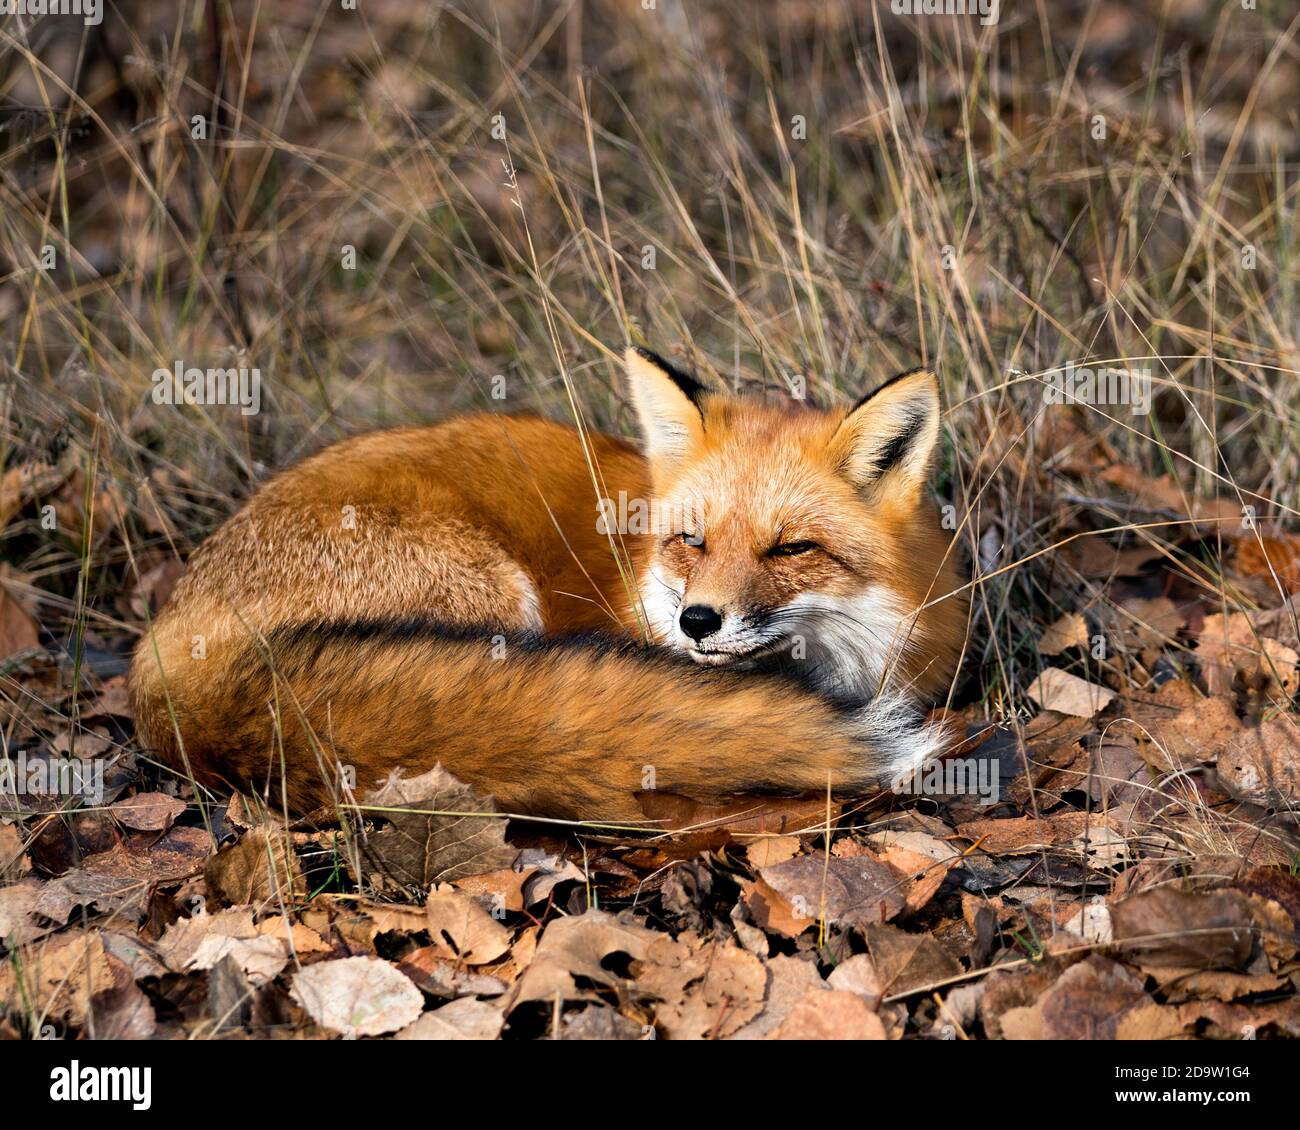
x: 387, y: 603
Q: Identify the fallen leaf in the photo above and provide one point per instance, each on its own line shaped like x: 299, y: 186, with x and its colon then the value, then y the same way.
x: 148, y: 812
x: 55, y: 979
x: 693, y: 826
x: 230, y: 995
x: 849, y: 892
x: 1089, y: 1000
x: 17, y: 628
x: 858, y: 975
x: 120, y: 1011
x: 204, y: 940
x: 789, y: 979
x: 1164, y: 926
x: 357, y: 996
x: 1071, y: 630
x: 767, y: 851
x: 831, y: 1015
x: 464, y: 1019
x: 460, y: 925
x: 905, y: 962
x: 18, y: 922
x: 260, y: 868
x: 1058, y: 690
x: 118, y: 881
x: 1231, y: 651
x: 298, y: 939
x: 1269, y: 555
x: 925, y: 876
x: 441, y: 837
x: 504, y: 889
x: 1262, y: 765
x: 1021, y: 835
x: 704, y: 989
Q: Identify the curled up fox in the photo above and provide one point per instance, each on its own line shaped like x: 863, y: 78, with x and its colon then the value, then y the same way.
x: 465, y: 594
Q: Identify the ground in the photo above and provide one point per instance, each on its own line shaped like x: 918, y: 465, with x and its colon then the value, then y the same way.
x: 1081, y: 215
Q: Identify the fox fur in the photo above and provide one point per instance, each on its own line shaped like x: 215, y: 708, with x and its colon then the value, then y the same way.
x: 457, y: 594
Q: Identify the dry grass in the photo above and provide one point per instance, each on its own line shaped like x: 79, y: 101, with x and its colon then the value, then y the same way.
x: 522, y: 256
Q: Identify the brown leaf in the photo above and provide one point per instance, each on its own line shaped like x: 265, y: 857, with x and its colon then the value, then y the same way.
x: 767, y: 851
x: 148, y: 812
x: 576, y: 949
x: 357, y: 996
x: 1231, y: 651
x: 119, y: 880
x: 789, y: 979
x: 706, y: 990
x: 17, y: 628
x: 1071, y: 630
x: 770, y: 910
x: 908, y: 961
x: 121, y: 1011
x: 1024, y: 835
x: 440, y: 838
x: 464, y: 1019
x: 1095, y: 558
x: 925, y: 876
x: 1165, y: 493
x: 18, y: 922
x: 261, y: 868
x: 1183, y: 929
x: 13, y: 851
x: 1267, y: 555
x: 1058, y: 690
x: 1007, y: 991
x: 56, y: 979
x: 441, y: 976
x: 1262, y: 765
x: 831, y: 1015
x: 24, y: 483
x: 858, y: 975
x: 504, y: 889
x: 697, y: 827
x: 849, y: 892
x: 462, y: 928
x: 1197, y: 733
x: 203, y: 941
x: 1089, y: 1000
x: 1144, y: 622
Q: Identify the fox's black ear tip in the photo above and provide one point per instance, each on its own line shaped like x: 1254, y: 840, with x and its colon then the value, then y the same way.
x: 927, y: 374
x: 682, y: 379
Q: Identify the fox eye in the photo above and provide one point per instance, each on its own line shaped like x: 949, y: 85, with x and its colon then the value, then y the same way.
x: 792, y: 548
x: 695, y: 541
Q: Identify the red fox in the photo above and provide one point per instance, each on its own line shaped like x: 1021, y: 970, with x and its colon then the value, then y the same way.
x: 476, y: 593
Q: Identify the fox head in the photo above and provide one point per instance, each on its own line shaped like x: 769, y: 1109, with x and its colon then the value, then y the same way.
x: 793, y: 535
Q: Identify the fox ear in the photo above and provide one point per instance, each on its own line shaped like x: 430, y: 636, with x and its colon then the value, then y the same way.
x: 889, y: 436
x: 667, y: 404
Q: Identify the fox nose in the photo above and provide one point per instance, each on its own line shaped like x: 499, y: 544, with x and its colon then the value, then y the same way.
x: 699, y: 620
